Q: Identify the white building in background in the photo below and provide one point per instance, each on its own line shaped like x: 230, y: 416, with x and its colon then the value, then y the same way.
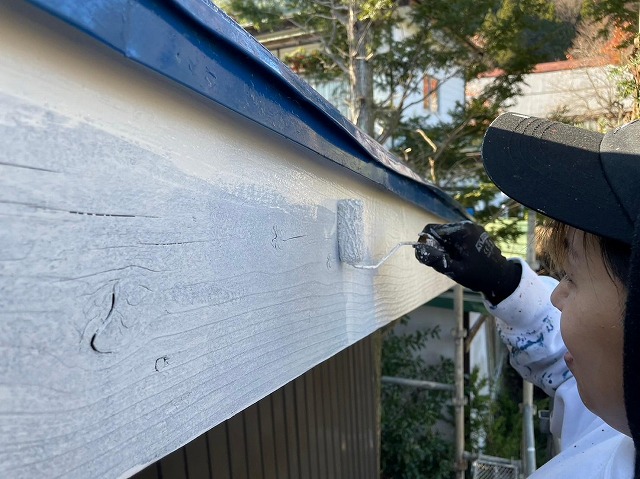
x: 572, y: 88
x: 483, y: 349
x: 439, y: 94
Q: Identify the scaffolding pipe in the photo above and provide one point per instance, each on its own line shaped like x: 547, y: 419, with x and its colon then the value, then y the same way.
x: 528, y: 436
x: 497, y: 460
x: 416, y: 383
x: 529, y: 453
x: 459, y: 401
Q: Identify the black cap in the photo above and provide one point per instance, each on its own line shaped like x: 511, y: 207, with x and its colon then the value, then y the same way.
x: 579, y: 177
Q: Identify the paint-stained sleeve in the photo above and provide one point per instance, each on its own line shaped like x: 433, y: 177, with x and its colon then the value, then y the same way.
x: 530, y: 327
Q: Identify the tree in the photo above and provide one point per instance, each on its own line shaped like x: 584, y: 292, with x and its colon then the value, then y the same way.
x: 384, y: 50
x: 608, y: 40
x: 349, y: 32
x: 613, y: 15
x: 620, y: 27
x: 412, y: 446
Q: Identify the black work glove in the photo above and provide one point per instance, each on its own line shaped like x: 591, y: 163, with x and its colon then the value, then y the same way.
x: 465, y: 253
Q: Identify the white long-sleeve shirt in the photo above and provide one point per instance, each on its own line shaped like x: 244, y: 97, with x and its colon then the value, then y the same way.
x: 530, y: 327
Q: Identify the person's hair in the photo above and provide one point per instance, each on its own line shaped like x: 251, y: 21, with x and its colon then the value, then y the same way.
x: 553, y: 239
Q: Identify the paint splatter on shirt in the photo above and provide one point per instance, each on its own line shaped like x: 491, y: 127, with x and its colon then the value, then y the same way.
x: 530, y: 327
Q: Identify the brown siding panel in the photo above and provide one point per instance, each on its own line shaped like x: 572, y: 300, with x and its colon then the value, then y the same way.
x: 174, y: 466
x: 362, y: 410
x: 267, y: 437
x: 254, y: 442
x: 280, y: 434
x: 302, y: 432
x: 217, y: 441
x: 293, y: 446
x: 318, y: 410
x: 237, y: 447
x: 323, y: 425
x: 346, y: 445
x: 150, y: 472
x: 327, y: 423
x: 335, y: 416
x: 197, y: 458
x: 358, y: 448
x: 314, y: 452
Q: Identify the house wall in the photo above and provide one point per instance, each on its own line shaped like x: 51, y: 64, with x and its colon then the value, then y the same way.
x: 166, y: 263
x: 428, y: 317
x: 451, y: 88
x: 584, y: 92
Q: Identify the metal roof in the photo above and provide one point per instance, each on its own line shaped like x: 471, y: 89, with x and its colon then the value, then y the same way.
x: 194, y: 43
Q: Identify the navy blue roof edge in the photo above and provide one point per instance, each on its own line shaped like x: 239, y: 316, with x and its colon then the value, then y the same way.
x: 196, y: 44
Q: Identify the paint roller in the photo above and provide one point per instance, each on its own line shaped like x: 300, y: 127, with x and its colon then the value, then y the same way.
x: 351, y: 235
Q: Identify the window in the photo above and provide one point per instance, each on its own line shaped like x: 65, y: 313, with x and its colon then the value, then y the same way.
x: 430, y: 90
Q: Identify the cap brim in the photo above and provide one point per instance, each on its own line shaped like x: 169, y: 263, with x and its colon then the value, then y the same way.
x: 555, y: 169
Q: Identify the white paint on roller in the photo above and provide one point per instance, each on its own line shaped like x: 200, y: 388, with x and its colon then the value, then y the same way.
x: 351, y: 235
x: 350, y: 231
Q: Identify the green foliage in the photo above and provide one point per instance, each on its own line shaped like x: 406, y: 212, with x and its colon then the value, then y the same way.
x: 510, y: 231
x: 610, y: 29
x: 456, y: 166
x: 621, y: 14
x: 528, y: 33
x: 263, y: 15
x: 376, y: 10
x: 501, y: 422
x: 625, y: 77
x: 510, y: 36
x: 458, y: 143
x: 478, y: 412
x: 412, y: 447
x: 314, y: 63
x: 495, y: 425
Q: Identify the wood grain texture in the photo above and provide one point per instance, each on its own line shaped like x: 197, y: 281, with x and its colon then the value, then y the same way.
x: 164, y: 264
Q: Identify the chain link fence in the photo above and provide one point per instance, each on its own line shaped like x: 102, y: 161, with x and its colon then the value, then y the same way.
x: 487, y: 467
